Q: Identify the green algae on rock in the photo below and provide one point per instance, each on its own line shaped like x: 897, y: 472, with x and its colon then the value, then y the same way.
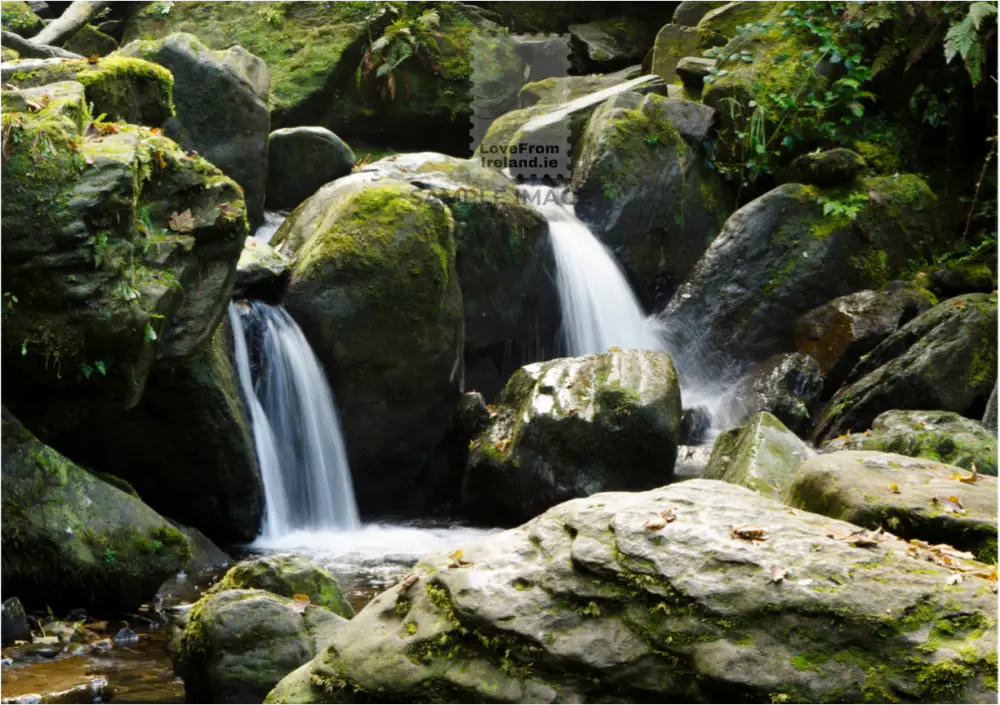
x: 70, y: 538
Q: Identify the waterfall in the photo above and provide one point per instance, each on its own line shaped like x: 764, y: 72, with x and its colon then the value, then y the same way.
x: 599, y: 310
x: 303, y: 462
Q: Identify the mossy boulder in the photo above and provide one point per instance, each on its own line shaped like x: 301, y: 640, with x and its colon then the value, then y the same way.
x: 302, y: 159
x: 945, y: 358
x: 221, y: 108
x: 238, y: 644
x: 572, y: 427
x: 119, y: 88
x: 778, y: 257
x: 70, y: 538
x: 198, y: 460
x: 834, y: 167
x: 839, y: 333
x: 673, y: 43
x: 120, y: 252
x: 375, y: 290
x: 651, y: 609
x: 612, y: 43
x: 17, y: 17
x: 288, y: 576
x: 720, y: 24
x: 761, y: 455
x: 690, y: 12
x: 943, y: 436
x: 912, y: 498
x: 90, y: 41
x: 8, y: 55
x: 789, y: 386
x: 640, y: 182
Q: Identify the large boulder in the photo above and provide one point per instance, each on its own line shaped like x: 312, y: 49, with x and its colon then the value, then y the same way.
x: 572, y: 427
x: 667, y: 595
x: 761, y: 455
x: 204, y: 470
x: 119, y: 88
x: 238, y: 644
x: 18, y: 18
x: 302, y: 159
x: 221, y: 100
x: 612, y: 43
x: 779, y: 256
x: 690, y: 12
x: 70, y: 538
x: 640, y: 182
x: 945, y: 359
x: 90, y: 41
x: 936, y: 435
x: 913, y: 498
x: 119, y: 249
x: 788, y: 386
x: 325, y: 70
x: 839, y: 333
x: 375, y: 290
x: 262, y: 272
x: 287, y: 575
x: 673, y: 43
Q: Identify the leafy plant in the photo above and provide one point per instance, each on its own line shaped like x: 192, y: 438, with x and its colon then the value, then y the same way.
x: 850, y: 207
x: 964, y: 39
x: 404, y: 41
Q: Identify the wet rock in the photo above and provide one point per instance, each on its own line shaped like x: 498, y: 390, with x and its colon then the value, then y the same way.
x: 691, y: 461
x: 913, y: 498
x: 239, y: 643
x: 262, y: 272
x: 69, y: 537
x: 761, y: 455
x: 839, y: 333
x: 954, y: 279
x: 572, y: 427
x: 221, y: 100
x: 473, y: 414
x: 637, y: 171
x: 690, y: 12
x: 834, y: 167
x: 936, y: 435
x: 673, y: 43
x: 300, y: 160
x: 126, y: 637
x: 589, y: 587
x: 288, y: 576
x: 695, y: 424
x: 944, y: 359
x: 779, y: 257
x: 376, y: 292
x: 990, y: 417
x: 692, y: 71
x: 788, y: 386
x: 613, y: 43
x: 13, y: 621
x: 90, y: 41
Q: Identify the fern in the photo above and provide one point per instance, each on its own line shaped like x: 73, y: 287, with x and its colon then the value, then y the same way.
x: 962, y: 39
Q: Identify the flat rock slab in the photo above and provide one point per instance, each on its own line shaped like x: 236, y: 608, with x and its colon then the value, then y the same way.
x: 911, y: 497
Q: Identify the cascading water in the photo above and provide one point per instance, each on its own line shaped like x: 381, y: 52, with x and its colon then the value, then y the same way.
x: 306, y: 477
x: 599, y: 309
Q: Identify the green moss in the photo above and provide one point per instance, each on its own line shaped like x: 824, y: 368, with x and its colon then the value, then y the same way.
x: 8, y: 55
x: 16, y: 16
x: 873, y: 266
x: 89, y: 41
x: 944, y: 682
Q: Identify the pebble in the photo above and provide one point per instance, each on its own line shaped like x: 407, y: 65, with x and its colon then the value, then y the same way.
x: 126, y: 637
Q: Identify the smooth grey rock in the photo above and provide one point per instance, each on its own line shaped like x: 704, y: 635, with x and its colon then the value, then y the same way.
x: 692, y: 71
x: 300, y: 160
x: 789, y: 386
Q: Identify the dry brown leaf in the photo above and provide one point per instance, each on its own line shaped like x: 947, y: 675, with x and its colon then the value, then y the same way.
x: 668, y: 515
x: 748, y: 533
x: 614, y: 348
x: 778, y: 573
x: 457, y: 561
x: 300, y: 602
x: 182, y: 222
x: 655, y: 524
x: 862, y: 538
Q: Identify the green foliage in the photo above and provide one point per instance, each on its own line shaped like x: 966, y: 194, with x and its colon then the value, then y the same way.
x: 965, y: 40
x: 408, y: 38
x: 849, y: 207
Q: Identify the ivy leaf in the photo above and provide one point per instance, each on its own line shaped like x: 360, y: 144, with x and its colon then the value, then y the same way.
x: 150, y: 335
x: 99, y: 364
x: 86, y: 369
x: 182, y: 222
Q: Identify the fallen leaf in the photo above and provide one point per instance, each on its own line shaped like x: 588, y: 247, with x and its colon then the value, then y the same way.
x: 862, y: 538
x: 33, y: 105
x: 949, y: 505
x: 778, y: 573
x: 573, y: 412
x: 614, y: 348
x: 97, y: 626
x: 155, y: 131
x: 969, y: 479
x: 668, y: 515
x: 182, y: 222
x: 655, y: 524
x: 161, y: 161
x: 868, y: 433
x: 457, y: 561
x: 300, y: 602
x: 748, y: 533
x: 93, y: 58
x: 894, y: 488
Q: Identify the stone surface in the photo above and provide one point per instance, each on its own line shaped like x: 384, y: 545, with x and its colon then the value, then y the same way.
x: 612, y: 43
x: 262, y: 272
x: 834, y: 167
x: 70, y: 538
x: 788, y: 386
x: 690, y: 12
x: 761, y: 455
x: 990, y: 416
x: 673, y: 43
x: 221, y: 100
x: 684, y: 612
x: 14, y: 622
x: 572, y: 427
x: 839, y: 333
x: 692, y: 71
x: 720, y: 24
x: 89, y: 41
x: 911, y: 497
x: 300, y: 160
x: 944, y: 359
x: 936, y: 435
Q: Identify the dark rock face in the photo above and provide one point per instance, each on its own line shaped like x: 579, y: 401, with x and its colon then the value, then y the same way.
x: 13, y: 621
x: 944, y: 359
x: 990, y: 417
x: 221, y: 100
x: 571, y: 427
x: 611, y: 44
x: 300, y: 160
x: 690, y: 12
x: 788, y: 386
x: 834, y: 167
x: 695, y: 424
x: 839, y: 333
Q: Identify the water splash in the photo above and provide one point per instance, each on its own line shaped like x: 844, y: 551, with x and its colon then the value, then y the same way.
x: 306, y: 476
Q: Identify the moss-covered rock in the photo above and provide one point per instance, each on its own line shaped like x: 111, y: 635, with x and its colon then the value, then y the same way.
x: 640, y: 182
x: 721, y: 24
x: 8, y: 55
x: 673, y: 43
x: 944, y: 359
x: 778, y: 257
x: 71, y: 539
x: 839, y: 333
x: 375, y: 290
x: 89, y: 41
x: 651, y: 609
x: 302, y: 159
x: 789, y: 386
x: 119, y: 251
x: 761, y: 455
x: 119, y: 88
x: 834, y: 167
x: 571, y: 427
x: 690, y: 12
x: 16, y: 16
x: 943, y: 436
x: 262, y: 272
x: 239, y: 643
x: 288, y: 576
x: 612, y: 43
x: 912, y: 498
